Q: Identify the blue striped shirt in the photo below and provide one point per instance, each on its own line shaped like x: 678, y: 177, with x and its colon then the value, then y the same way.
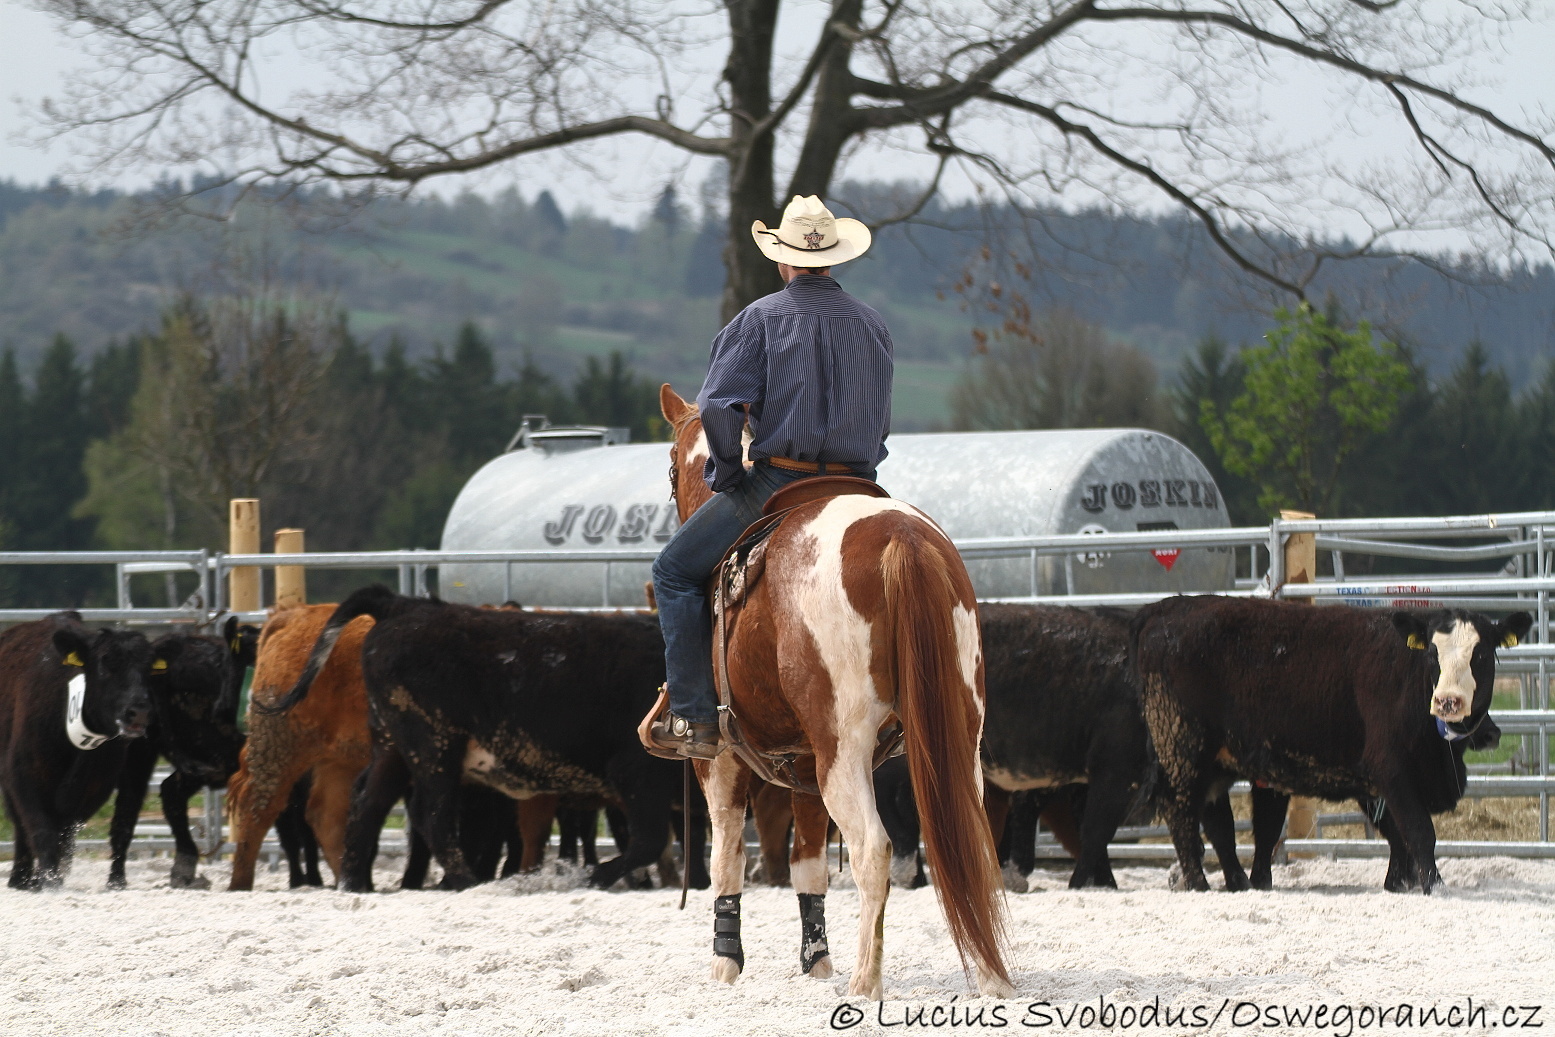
x: 814, y: 366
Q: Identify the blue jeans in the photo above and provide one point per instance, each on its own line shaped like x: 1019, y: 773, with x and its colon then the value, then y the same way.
x: 680, y: 576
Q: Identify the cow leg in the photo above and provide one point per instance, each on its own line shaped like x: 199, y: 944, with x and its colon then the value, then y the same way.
x: 772, y: 809
x: 418, y: 857
x: 139, y: 761
x: 899, y: 815
x: 44, y: 837
x: 1414, y: 823
x: 329, y: 804
x: 1063, y: 813
x: 488, y: 819
x: 615, y: 820
x: 1220, y: 827
x: 579, y: 828
x: 1184, y: 810
x: 567, y: 834
x: 535, y: 817
x: 1403, y: 874
x: 23, y: 874
x: 647, y: 797
x: 1269, y: 809
x: 291, y: 828
x: 1106, y: 801
x: 177, y: 789
x: 257, y: 798
x: 375, y: 792
x: 513, y: 842
x: 435, y: 809
x: 693, y: 840
x: 808, y: 871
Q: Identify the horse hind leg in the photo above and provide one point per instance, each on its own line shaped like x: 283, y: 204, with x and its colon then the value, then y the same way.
x: 808, y: 872
x: 724, y: 783
x: 849, y: 794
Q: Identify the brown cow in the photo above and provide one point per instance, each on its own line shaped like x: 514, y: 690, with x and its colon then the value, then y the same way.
x: 327, y: 735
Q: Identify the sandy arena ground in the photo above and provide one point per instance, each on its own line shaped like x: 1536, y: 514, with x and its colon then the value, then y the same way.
x: 546, y: 956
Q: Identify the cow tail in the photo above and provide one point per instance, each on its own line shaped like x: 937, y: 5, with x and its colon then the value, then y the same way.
x: 377, y: 601
x: 942, y: 721
x: 1154, y: 789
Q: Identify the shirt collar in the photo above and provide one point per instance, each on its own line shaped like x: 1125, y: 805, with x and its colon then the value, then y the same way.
x: 812, y: 281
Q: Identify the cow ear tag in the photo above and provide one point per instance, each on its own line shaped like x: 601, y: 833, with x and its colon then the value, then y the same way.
x: 73, y: 659
x: 1509, y: 641
x: 158, y: 665
x: 1414, y: 642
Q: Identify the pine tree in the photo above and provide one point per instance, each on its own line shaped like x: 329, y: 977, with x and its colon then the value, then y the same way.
x: 51, y: 480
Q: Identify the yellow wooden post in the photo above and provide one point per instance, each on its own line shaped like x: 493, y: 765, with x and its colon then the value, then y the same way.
x: 291, y: 584
x: 1301, y: 567
x: 243, y: 538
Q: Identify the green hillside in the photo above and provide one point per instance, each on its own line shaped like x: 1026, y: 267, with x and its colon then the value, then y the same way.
x: 559, y: 288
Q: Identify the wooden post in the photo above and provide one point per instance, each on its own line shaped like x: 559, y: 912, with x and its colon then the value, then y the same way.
x: 243, y: 539
x: 291, y: 582
x: 1301, y: 567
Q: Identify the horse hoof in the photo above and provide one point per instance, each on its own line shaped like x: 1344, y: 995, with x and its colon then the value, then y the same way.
x: 725, y: 970
x: 821, y: 969
x: 182, y: 875
x: 862, y: 987
x: 1014, y: 881
x: 990, y: 985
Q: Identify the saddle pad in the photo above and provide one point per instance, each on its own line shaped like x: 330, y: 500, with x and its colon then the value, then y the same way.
x: 803, y: 491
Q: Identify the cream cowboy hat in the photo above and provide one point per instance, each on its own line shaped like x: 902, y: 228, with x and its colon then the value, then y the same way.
x: 811, y: 236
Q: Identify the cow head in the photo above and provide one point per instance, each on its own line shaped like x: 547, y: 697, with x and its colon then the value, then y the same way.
x: 114, y: 664
x: 1460, y: 651
x: 195, y: 683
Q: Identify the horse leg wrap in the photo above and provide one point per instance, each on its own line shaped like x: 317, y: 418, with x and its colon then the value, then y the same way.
x: 812, y: 930
x: 726, y: 930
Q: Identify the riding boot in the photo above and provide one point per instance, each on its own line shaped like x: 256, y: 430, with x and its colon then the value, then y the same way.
x: 699, y: 740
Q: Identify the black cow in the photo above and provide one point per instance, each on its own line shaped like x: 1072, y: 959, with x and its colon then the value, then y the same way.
x: 1335, y: 703
x: 1063, y: 708
x: 517, y: 701
x: 194, y: 684
x: 1269, y: 807
x: 72, y: 702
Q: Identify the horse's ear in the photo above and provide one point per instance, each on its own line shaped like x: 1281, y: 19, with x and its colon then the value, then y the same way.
x: 671, y: 405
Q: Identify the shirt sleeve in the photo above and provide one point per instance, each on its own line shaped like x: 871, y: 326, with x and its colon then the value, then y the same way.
x: 736, y: 377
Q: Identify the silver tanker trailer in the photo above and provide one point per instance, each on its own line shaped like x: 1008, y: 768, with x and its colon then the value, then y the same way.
x: 586, y: 489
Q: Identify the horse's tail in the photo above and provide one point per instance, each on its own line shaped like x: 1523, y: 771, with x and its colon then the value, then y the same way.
x: 376, y: 600
x: 937, y: 690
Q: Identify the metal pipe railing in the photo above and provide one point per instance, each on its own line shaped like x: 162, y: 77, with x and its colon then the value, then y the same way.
x: 1516, y: 536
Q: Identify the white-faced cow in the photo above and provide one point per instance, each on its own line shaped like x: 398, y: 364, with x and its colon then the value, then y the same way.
x: 71, y: 702
x: 1336, y: 703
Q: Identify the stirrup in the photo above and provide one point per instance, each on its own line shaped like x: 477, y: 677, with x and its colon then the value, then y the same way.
x: 672, y: 737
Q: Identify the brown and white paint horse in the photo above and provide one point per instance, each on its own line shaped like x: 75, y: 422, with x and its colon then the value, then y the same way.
x: 864, y: 611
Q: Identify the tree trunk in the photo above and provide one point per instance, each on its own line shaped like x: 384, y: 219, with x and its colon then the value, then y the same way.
x: 833, y: 121
x: 749, y: 75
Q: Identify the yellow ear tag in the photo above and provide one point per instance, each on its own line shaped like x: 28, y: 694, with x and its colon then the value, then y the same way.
x: 158, y: 665
x: 1509, y: 641
x: 237, y: 645
x: 1414, y: 642
x: 73, y: 659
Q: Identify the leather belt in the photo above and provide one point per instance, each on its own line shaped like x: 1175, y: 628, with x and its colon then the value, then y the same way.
x: 813, y: 467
